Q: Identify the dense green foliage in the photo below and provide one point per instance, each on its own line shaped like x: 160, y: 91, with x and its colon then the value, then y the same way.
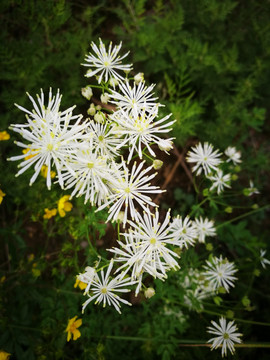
x: 210, y: 60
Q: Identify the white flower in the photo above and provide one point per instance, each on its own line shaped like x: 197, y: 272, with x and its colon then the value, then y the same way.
x: 129, y: 188
x: 220, y: 181
x: 165, y: 144
x: 233, y: 155
x: 153, y: 240
x: 140, y: 131
x: 220, y: 273
x: 51, y: 138
x: 204, y: 227
x: 87, y: 92
x: 184, y: 231
x: 104, y: 289
x: 43, y: 112
x: 91, y: 177
x: 104, y: 138
x: 136, y: 99
x: 252, y: 189
x: 226, y: 335
x: 105, y: 62
x: 263, y: 260
x: 205, y: 157
x: 139, y: 78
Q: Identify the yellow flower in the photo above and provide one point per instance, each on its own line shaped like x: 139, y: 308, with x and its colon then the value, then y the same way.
x: 49, y: 213
x: 4, y: 136
x: 72, y: 328
x: 4, y: 355
x: 26, y: 151
x: 3, y: 279
x: 44, y: 172
x: 81, y: 284
x: 36, y: 272
x: 2, y: 194
x: 64, y: 205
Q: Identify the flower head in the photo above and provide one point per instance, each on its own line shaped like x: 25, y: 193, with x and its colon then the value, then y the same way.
x: 220, y: 181
x: 129, y: 189
x: 72, y: 328
x: 64, y: 205
x: 105, y: 62
x: 51, y: 138
x: 205, y: 157
x: 205, y: 228
x: 141, y: 131
x: 104, y: 289
x: 233, y: 155
x: 220, y: 272
x: 136, y: 99
x: 49, y: 213
x: 226, y: 335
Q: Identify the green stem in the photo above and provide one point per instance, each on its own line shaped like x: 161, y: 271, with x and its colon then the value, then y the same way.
x: 243, y: 216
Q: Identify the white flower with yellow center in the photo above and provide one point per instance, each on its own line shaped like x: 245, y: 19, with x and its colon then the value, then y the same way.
x: 204, y: 228
x: 129, y: 190
x: 91, y: 175
x: 105, y: 62
x: 225, y: 335
x: 51, y: 140
x: 136, y: 99
x: 183, y: 231
x: 205, y: 157
x: 220, y: 273
x: 152, y: 246
x: 104, y: 138
x: 141, y: 131
x: 105, y: 289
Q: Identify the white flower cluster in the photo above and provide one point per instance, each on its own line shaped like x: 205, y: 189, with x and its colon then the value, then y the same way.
x: 90, y: 161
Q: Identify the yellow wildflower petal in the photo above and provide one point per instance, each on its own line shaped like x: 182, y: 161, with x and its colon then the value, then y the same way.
x: 78, y: 323
x: 4, y: 135
x: 2, y: 194
x: 68, y: 206
x: 4, y: 355
x: 68, y: 336
x: 76, y: 334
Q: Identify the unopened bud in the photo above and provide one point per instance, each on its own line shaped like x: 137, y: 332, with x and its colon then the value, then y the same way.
x: 104, y: 98
x: 87, y: 92
x: 139, y: 78
x: 91, y: 111
x: 120, y: 216
x: 113, y: 82
x: 157, y: 164
x: 99, y: 117
x: 149, y: 292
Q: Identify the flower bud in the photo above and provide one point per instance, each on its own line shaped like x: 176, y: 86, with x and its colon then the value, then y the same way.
x: 149, y: 292
x: 104, y: 98
x: 157, y: 164
x: 139, y: 78
x: 113, y: 82
x: 87, y: 92
x: 99, y: 117
x: 91, y: 111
